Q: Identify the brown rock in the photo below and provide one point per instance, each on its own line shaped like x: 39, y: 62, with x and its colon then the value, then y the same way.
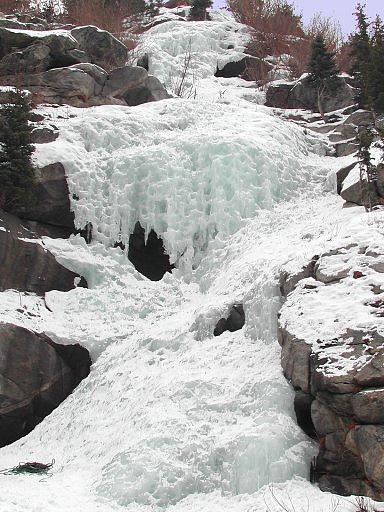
x: 36, y: 375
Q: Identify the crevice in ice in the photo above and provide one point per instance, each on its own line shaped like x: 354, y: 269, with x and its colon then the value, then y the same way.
x: 232, y: 69
x: 234, y: 322
x: 148, y: 255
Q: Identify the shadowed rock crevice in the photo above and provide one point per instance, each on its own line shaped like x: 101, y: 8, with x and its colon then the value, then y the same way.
x: 148, y: 257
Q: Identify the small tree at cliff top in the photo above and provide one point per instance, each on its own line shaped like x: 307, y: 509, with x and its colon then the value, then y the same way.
x: 322, y: 70
x: 17, y: 175
x: 361, y: 56
x: 376, y: 67
x: 198, y: 10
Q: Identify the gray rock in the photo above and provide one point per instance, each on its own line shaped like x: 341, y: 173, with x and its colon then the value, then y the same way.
x: 295, y: 360
x: 124, y: 79
x: 43, y: 135
x: 357, y: 191
x: 143, y: 61
x: 369, y: 442
x: 96, y: 72
x: 360, y: 118
x: 36, y: 375
x: 151, y: 90
x: 368, y: 406
x: 348, y: 131
x: 302, y: 94
x: 336, y: 459
x: 356, y: 344
x: 322, y: 272
x: 346, y: 148
x: 33, y: 59
x: 52, y: 205
x: 325, y: 420
x: 27, y: 266
x: 70, y: 86
x: 58, y: 41
x: 101, y: 47
x: 278, y: 94
x: 348, y: 487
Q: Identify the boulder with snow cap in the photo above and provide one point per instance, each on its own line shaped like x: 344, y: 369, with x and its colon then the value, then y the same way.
x: 134, y: 86
x: 25, y: 264
x: 101, y: 46
x: 58, y: 41
x: 340, y: 369
x: 302, y: 94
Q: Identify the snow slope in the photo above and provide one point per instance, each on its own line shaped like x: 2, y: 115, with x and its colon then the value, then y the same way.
x: 170, y: 417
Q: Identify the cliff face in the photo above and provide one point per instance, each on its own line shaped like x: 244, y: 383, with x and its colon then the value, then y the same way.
x: 331, y: 331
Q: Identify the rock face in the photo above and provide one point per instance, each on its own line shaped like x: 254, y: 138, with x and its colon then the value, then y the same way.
x: 234, y: 322
x: 336, y: 365
x: 101, y: 47
x: 354, y: 190
x: 51, y: 205
x: 36, y: 375
x: 302, y: 94
x: 149, y: 258
x: 62, y: 67
x: 26, y: 266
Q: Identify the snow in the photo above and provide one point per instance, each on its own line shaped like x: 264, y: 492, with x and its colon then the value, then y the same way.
x: 170, y: 417
x: 322, y: 313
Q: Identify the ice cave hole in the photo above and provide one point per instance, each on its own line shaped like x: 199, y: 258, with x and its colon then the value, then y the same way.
x: 234, y: 322
x: 150, y: 259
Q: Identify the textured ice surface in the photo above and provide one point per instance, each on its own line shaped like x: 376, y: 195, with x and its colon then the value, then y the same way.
x: 189, y: 169
x: 207, y: 46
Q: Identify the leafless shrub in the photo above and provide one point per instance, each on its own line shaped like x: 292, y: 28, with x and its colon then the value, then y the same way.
x: 364, y: 505
x: 183, y: 82
x: 94, y: 12
x: 286, y: 504
x: 273, y: 23
x: 327, y: 27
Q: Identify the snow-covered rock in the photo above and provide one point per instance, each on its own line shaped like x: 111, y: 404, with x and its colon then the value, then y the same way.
x: 332, y: 337
x: 26, y: 265
x: 303, y: 94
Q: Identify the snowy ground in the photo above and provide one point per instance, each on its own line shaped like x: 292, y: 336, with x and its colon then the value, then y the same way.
x: 171, y: 417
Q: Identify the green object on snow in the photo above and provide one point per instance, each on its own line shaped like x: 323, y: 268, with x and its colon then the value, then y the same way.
x: 29, y: 468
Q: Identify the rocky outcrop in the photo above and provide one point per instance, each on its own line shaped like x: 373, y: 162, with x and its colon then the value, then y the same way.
x: 358, y: 191
x: 36, y: 375
x: 64, y: 67
x: 337, y: 370
x: 26, y: 266
x: 234, y: 322
x: 244, y: 67
x: 101, y: 47
x: 51, y: 203
x: 302, y: 94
